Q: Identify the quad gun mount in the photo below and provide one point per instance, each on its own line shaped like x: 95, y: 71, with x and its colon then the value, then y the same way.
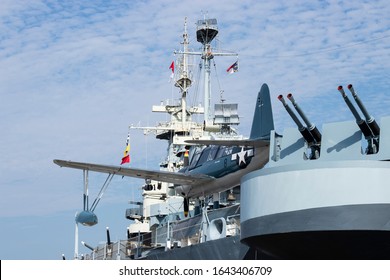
x: 369, y: 126
x: 310, y: 133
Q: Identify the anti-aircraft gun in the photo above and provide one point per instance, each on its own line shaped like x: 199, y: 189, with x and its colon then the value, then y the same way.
x: 310, y: 132
x: 369, y: 126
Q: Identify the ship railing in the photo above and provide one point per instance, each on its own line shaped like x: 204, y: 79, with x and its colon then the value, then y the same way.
x: 186, y: 235
x: 134, y: 247
x: 113, y: 251
x: 233, y: 225
x: 120, y: 250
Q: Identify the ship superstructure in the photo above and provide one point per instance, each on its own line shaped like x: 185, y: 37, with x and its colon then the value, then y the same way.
x: 160, y: 221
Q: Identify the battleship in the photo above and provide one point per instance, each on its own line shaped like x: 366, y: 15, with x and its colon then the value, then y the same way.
x: 303, y: 194
x: 192, y: 203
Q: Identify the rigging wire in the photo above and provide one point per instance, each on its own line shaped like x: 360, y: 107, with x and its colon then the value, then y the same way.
x: 195, y: 97
x: 221, y: 91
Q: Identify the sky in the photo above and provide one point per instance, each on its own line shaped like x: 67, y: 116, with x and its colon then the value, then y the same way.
x: 75, y: 74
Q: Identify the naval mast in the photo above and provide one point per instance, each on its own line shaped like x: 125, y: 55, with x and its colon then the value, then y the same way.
x: 180, y: 128
x: 160, y: 220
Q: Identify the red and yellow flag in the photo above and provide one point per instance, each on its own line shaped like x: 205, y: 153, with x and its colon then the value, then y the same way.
x: 126, y: 154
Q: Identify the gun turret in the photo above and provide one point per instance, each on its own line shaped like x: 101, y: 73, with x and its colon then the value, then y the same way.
x: 302, y: 129
x: 369, y: 127
x: 310, y: 126
x: 360, y: 122
x: 369, y: 119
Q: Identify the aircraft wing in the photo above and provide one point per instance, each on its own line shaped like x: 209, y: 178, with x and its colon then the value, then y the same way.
x: 163, y: 176
x: 257, y: 143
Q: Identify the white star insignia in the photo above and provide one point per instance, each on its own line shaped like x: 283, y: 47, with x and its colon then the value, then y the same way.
x: 241, y: 156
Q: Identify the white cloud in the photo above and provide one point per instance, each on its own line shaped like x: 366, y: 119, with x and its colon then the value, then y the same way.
x: 75, y: 74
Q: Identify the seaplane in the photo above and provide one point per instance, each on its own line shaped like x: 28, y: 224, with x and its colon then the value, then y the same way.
x: 211, y: 166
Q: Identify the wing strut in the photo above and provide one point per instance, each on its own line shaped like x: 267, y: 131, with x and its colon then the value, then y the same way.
x: 86, y: 197
x: 102, y: 190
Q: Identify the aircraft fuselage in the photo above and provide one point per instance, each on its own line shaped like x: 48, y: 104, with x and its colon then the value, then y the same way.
x: 226, y: 164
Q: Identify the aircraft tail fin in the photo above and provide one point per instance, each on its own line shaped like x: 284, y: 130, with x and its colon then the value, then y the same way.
x: 263, y: 121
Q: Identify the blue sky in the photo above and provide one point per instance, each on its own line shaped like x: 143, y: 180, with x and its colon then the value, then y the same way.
x: 75, y: 74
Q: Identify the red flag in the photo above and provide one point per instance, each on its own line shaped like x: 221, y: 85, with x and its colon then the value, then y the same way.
x: 125, y: 159
x: 172, y: 67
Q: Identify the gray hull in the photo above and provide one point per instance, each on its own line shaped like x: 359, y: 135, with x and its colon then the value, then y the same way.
x: 340, y: 232
x: 229, y: 248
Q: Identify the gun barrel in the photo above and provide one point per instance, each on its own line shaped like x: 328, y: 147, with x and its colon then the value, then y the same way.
x: 369, y: 119
x: 108, y: 236
x: 350, y: 105
x: 302, y: 129
x: 311, y: 127
x: 360, y: 122
x: 88, y: 246
x: 359, y: 103
x: 300, y: 112
x: 291, y: 113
